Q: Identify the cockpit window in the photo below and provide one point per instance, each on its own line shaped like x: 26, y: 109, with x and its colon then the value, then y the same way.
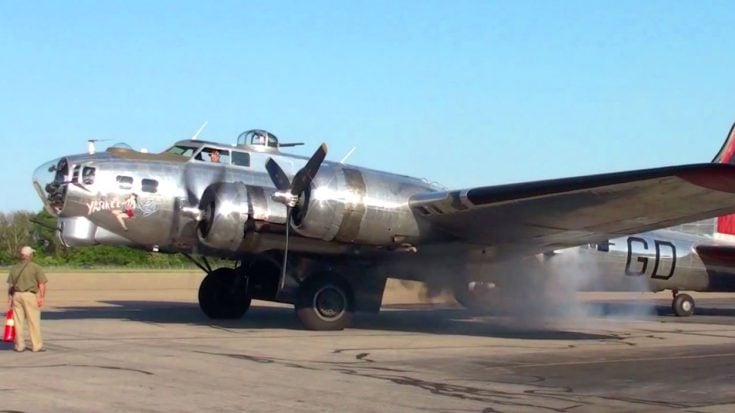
x: 240, y: 158
x: 213, y: 155
x: 187, y: 151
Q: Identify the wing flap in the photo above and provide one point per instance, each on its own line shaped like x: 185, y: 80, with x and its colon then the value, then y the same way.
x: 559, y: 213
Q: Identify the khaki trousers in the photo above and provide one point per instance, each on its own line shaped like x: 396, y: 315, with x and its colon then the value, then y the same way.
x: 25, y: 307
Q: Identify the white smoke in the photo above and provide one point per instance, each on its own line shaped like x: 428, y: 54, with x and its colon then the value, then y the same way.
x: 546, y: 291
x: 572, y: 273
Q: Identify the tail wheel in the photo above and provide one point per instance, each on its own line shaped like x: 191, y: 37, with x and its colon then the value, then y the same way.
x: 683, y: 305
x: 325, y: 303
x: 223, y: 294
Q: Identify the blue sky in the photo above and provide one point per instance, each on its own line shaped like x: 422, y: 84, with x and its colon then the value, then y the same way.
x: 466, y: 93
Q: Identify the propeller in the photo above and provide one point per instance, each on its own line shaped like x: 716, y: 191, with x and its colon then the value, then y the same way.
x: 289, y: 192
x: 196, y: 180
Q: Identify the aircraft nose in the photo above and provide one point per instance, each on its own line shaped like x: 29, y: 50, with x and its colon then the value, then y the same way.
x: 49, y: 182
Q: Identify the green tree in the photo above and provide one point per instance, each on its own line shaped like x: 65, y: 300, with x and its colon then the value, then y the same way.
x: 15, y: 232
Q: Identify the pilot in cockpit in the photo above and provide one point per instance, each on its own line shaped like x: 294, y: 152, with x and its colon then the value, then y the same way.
x: 214, y: 156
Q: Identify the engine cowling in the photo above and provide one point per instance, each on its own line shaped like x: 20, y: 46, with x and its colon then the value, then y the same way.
x: 357, y: 206
x: 228, y: 208
x: 225, y: 213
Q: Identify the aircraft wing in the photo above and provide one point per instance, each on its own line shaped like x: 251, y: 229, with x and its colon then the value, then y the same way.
x: 540, y: 216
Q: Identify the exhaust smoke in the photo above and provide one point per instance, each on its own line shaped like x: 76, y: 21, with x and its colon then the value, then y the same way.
x: 571, y: 285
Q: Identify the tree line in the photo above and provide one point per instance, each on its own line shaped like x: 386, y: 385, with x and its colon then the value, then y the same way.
x: 21, y: 228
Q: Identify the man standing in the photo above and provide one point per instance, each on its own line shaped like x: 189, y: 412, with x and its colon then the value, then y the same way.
x: 27, y: 291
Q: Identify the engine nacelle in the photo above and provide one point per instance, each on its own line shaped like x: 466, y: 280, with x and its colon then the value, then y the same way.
x: 357, y: 206
x: 227, y: 208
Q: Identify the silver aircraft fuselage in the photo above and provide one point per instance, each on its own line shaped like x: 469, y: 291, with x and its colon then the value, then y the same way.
x: 651, y: 261
x: 150, y: 201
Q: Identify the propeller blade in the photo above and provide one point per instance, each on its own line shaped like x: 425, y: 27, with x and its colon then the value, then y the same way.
x: 279, y: 178
x: 192, y: 192
x: 306, y: 174
x: 282, y: 281
x: 198, y: 176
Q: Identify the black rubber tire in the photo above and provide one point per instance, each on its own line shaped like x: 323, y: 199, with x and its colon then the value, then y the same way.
x: 223, y: 294
x: 683, y: 305
x: 480, y: 300
x: 325, y: 303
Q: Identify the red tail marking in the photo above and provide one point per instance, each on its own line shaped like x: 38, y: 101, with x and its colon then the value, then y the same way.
x: 726, y: 224
x: 727, y: 152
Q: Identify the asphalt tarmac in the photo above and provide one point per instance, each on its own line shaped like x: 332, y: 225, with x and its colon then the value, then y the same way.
x: 145, y: 347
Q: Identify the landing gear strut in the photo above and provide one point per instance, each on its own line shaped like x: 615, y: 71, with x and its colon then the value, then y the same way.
x: 683, y: 304
x: 324, y: 303
x: 223, y: 293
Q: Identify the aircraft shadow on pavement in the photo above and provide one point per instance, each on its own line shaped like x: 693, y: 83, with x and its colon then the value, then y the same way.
x: 401, y: 318
x: 660, y: 308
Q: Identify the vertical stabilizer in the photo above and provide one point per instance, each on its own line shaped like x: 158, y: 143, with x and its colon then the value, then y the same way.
x: 725, y: 225
x: 727, y: 152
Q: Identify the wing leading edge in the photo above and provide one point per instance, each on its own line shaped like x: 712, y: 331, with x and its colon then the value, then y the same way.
x: 533, y: 217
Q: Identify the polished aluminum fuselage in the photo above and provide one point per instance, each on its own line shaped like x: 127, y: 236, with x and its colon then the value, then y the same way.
x: 372, y: 206
x: 651, y: 261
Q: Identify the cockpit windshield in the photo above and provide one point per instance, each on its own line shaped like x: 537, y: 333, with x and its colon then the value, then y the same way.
x: 182, y: 150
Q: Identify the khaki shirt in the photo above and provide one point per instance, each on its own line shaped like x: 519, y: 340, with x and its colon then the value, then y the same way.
x: 26, y: 280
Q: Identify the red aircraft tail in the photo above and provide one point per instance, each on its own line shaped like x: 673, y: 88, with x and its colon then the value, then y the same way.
x: 726, y: 224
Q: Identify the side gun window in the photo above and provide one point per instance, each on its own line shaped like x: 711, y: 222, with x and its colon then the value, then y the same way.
x: 124, y: 182
x: 149, y: 185
x: 88, y: 175
x: 75, y: 174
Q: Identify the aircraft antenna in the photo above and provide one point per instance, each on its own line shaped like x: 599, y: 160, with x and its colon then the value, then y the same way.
x: 348, y: 154
x: 201, y: 128
x: 91, y: 147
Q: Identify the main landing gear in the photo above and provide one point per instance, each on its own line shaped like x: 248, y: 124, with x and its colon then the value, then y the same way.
x: 324, y: 302
x: 682, y: 304
x: 223, y: 294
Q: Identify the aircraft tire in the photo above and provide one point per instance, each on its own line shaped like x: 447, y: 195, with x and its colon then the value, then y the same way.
x: 223, y: 294
x: 683, y: 305
x: 481, y: 300
x: 325, y: 303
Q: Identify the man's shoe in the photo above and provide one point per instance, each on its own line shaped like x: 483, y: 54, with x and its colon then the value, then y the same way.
x: 40, y: 350
x: 19, y: 351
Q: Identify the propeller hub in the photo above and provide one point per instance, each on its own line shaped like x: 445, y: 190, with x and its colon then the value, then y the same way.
x: 192, y: 212
x: 286, y: 198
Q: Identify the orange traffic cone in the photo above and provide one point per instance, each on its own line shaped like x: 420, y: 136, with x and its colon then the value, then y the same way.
x: 9, y: 327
